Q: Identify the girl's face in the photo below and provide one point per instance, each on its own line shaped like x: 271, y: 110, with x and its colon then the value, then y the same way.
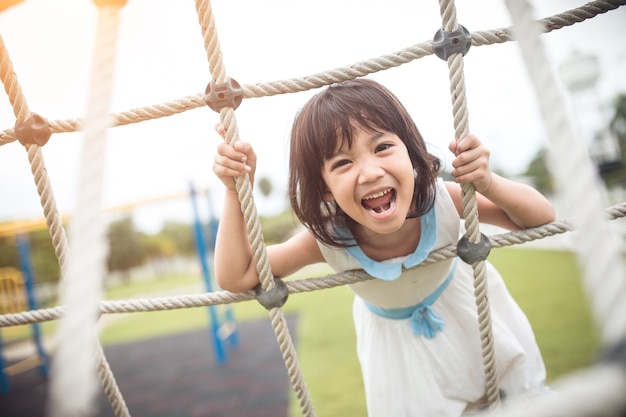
x: 372, y: 181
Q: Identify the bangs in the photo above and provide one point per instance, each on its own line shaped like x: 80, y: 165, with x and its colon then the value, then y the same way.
x: 343, y: 115
x: 327, y: 123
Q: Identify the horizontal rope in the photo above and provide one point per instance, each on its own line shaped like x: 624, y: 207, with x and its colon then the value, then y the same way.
x: 360, y: 69
x: 297, y: 286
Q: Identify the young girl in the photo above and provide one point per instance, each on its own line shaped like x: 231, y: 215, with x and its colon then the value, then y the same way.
x: 363, y: 184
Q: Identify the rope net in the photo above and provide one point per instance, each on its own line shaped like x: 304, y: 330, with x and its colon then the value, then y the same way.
x: 82, y: 270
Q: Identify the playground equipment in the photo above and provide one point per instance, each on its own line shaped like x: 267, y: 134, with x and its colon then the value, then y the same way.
x: 223, y: 332
x: 17, y: 289
x: 598, y: 391
x: 17, y: 293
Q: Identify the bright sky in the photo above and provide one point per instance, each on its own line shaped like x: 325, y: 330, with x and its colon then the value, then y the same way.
x: 161, y: 58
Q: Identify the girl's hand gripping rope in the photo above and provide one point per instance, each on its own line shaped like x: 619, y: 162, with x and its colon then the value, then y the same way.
x: 471, y: 164
x: 501, y: 202
x: 232, y: 161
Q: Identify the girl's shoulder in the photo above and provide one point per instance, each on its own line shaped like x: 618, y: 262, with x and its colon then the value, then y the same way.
x: 452, y: 191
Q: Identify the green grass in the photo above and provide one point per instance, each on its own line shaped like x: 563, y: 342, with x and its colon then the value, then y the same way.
x: 167, y: 285
x: 546, y: 284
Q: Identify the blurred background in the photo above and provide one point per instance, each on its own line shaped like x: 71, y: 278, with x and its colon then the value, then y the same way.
x: 161, y: 58
x: 151, y: 166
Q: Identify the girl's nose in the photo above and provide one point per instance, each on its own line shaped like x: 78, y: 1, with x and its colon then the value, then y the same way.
x: 369, y: 172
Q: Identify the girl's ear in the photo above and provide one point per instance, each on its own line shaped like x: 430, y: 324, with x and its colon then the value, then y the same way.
x: 327, y: 195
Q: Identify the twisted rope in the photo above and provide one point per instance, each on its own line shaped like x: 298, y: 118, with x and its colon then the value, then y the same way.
x: 470, y: 210
x: 109, y: 385
x: 48, y: 203
x: 296, y: 286
x: 359, y: 69
x: 36, y: 159
x: 227, y: 116
x: 598, y: 391
x: 248, y: 208
x: 82, y: 289
x: 599, y: 246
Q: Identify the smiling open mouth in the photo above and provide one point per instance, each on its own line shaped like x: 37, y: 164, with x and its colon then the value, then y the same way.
x: 380, y: 202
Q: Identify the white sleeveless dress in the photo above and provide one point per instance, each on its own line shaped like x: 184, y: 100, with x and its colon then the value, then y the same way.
x: 430, y: 364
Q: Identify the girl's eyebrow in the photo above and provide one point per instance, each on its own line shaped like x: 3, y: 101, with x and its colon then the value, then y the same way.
x: 341, y: 150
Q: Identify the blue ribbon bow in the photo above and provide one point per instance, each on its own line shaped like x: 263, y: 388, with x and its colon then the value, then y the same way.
x: 424, y: 321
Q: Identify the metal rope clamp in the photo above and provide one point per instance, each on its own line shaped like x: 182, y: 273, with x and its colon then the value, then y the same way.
x: 219, y: 96
x: 446, y: 44
x: 33, y: 131
x: 473, y: 252
x: 276, y: 297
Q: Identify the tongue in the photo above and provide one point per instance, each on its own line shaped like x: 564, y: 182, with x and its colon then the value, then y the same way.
x: 379, y: 204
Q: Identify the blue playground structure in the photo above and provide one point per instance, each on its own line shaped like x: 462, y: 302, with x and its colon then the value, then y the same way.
x: 223, y: 332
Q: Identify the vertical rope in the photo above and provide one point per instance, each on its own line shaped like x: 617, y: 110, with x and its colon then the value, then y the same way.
x: 36, y: 159
x: 248, y: 208
x: 470, y: 209
x: 228, y: 118
x: 12, y: 86
x: 73, y: 384
x: 598, y: 246
x: 109, y: 384
x: 51, y: 213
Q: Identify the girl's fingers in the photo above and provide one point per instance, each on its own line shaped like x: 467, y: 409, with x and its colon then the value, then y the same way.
x: 230, y: 164
x: 225, y: 172
x: 468, y: 142
x: 236, y: 152
x: 466, y: 157
x: 219, y: 128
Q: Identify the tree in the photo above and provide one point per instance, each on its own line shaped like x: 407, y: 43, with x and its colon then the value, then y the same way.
x: 159, y: 246
x: 265, y: 186
x: 181, y: 235
x: 537, y: 170
x: 126, y: 248
x: 277, y: 229
x: 618, y: 121
x: 44, y: 263
x: 613, y: 174
x: 616, y: 175
x: 8, y: 252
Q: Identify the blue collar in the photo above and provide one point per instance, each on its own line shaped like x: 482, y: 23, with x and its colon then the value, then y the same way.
x: 392, y: 271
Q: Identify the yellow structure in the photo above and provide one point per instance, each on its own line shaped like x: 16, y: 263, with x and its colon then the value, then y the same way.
x: 12, y: 291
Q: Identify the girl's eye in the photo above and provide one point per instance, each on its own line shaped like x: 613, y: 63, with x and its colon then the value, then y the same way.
x: 383, y: 147
x: 339, y: 164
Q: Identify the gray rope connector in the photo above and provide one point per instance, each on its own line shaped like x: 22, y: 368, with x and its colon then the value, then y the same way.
x: 446, y: 44
x: 473, y: 252
x: 276, y: 297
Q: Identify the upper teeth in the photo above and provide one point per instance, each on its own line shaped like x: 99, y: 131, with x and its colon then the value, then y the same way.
x: 380, y: 194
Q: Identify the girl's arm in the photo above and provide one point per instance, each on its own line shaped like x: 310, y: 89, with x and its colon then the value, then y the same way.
x: 501, y: 202
x: 235, y: 267
x: 233, y: 261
